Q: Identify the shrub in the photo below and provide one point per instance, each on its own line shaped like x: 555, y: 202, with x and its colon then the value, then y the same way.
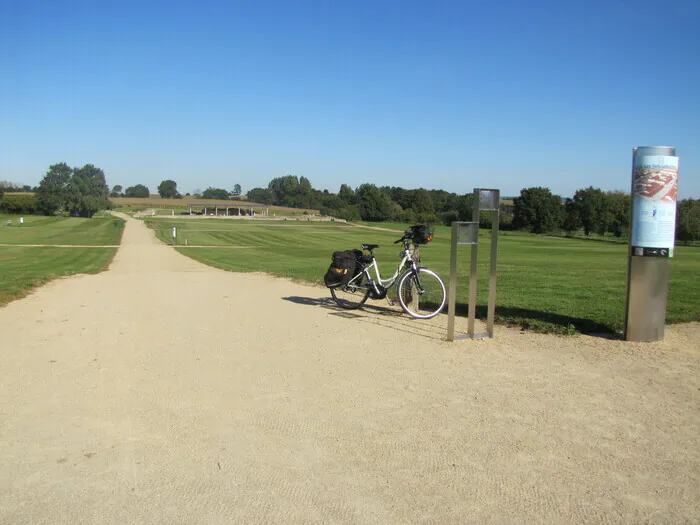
x: 19, y: 203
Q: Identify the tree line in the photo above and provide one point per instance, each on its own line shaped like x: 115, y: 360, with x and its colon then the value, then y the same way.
x: 593, y: 211
x: 167, y: 189
x: 79, y: 192
x: 83, y: 192
x: 536, y: 209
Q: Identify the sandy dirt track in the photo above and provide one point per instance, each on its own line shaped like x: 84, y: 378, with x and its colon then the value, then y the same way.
x: 165, y: 391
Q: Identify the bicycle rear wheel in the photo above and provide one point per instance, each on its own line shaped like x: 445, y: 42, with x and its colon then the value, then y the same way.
x: 422, y: 296
x: 352, y: 295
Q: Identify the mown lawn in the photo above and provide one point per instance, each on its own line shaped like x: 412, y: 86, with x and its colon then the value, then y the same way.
x: 38, y: 229
x: 23, y: 268
x: 544, y: 283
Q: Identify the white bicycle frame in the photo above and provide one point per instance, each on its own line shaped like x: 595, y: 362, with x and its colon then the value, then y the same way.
x: 386, y: 283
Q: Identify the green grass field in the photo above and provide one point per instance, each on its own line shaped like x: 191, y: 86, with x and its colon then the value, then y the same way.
x: 23, y: 268
x: 38, y: 229
x: 544, y: 283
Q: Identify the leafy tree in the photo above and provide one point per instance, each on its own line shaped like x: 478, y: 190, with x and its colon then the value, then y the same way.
x: 465, y: 207
x: 572, y: 219
x: 688, y: 220
x: 287, y: 191
x: 139, y: 191
x: 422, y: 205
x: 15, y: 204
x: 304, y: 193
x: 505, y: 216
x: 374, y: 204
x: 87, y: 191
x: 284, y: 189
x: 53, y: 189
x: 537, y: 210
x: 408, y: 216
x: 236, y: 189
x: 167, y: 189
x: 448, y: 217
x: 619, y: 211
x: 444, y: 201
x: 346, y: 194
x: 215, y: 193
x: 261, y: 195
x: 349, y: 213
x: 591, y: 206
x: 332, y: 202
x: 116, y: 191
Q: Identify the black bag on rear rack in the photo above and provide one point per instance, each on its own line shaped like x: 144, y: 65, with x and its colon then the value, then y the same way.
x: 342, y: 269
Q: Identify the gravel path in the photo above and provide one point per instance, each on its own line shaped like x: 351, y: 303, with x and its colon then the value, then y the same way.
x: 165, y: 391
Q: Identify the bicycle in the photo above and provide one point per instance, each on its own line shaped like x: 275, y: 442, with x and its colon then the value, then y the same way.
x: 421, y: 292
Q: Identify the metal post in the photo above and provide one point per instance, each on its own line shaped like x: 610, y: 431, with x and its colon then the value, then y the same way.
x: 484, y: 200
x: 174, y: 235
x: 452, y: 293
x: 495, y: 219
x: 462, y: 233
x: 473, y: 270
x: 652, y: 239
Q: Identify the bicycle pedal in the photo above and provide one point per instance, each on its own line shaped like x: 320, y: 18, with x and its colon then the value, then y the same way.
x: 389, y: 302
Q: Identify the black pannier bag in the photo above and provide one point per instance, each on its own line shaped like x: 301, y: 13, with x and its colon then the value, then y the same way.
x: 342, y: 269
x: 364, y: 258
x: 420, y: 233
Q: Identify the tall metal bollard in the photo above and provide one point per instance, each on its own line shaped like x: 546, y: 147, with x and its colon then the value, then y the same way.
x: 652, y: 238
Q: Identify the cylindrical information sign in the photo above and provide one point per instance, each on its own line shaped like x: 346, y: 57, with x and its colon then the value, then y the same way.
x: 652, y: 237
x: 654, y: 192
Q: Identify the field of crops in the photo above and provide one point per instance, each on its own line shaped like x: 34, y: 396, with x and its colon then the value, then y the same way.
x: 545, y: 283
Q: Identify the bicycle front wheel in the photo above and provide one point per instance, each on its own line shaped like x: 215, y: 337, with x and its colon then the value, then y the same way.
x: 422, y: 295
x: 351, y: 296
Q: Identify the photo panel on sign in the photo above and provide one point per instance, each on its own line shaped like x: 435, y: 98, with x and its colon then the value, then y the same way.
x: 488, y: 199
x: 467, y: 232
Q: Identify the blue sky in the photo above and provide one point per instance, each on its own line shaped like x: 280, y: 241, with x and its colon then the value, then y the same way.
x: 434, y: 94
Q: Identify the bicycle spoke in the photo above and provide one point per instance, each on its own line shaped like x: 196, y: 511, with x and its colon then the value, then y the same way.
x: 351, y: 296
x: 422, y: 296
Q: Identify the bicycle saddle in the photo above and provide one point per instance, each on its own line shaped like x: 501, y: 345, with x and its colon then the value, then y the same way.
x: 369, y: 247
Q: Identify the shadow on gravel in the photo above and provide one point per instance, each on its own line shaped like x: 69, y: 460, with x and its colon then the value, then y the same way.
x: 393, y: 318
x: 545, y: 322
x: 408, y: 325
x: 532, y: 320
x: 311, y: 301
